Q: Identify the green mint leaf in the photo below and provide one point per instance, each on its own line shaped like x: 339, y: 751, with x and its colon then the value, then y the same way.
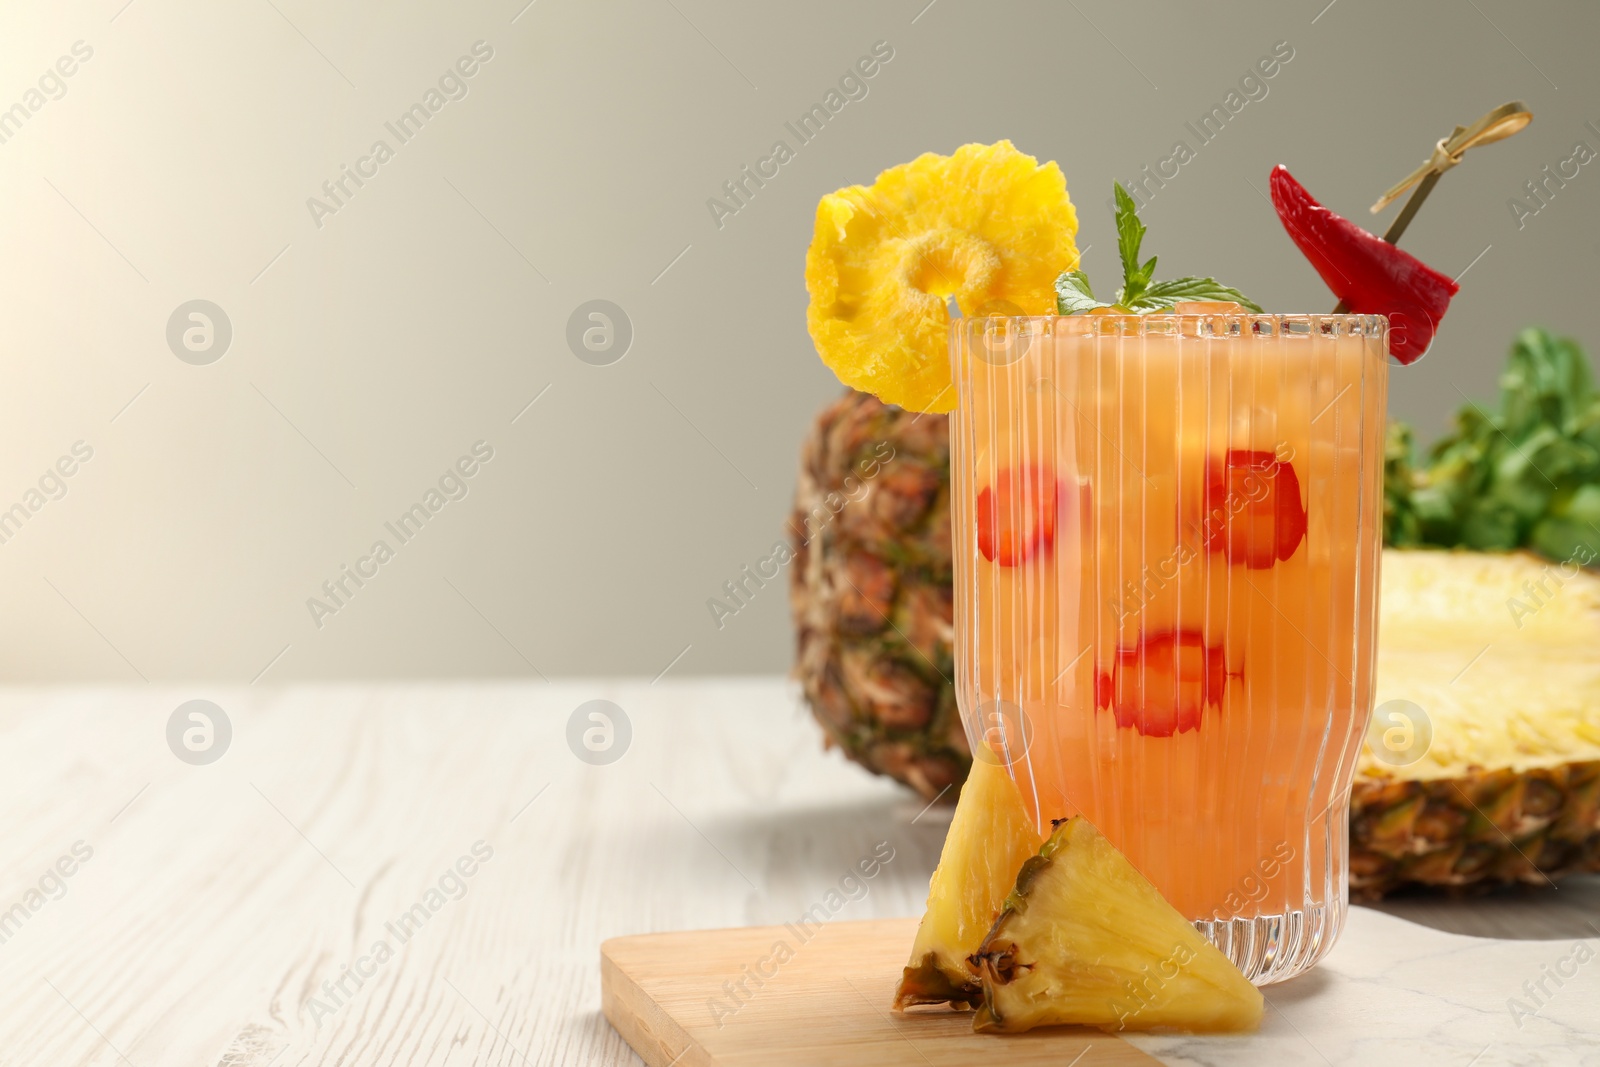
x: 1073, y: 295
x: 1164, y: 295
x: 1130, y: 234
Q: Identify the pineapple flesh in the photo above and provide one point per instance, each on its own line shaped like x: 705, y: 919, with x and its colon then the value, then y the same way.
x: 1085, y: 939
x: 1502, y: 654
x: 990, y: 837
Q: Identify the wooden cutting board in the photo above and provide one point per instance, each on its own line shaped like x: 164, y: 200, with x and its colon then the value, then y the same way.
x: 823, y: 1001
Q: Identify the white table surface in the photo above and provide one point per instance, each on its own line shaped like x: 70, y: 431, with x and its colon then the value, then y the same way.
x: 218, y: 899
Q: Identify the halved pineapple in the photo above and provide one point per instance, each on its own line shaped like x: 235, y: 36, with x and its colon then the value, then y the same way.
x: 1085, y: 939
x: 1500, y: 653
x: 991, y: 835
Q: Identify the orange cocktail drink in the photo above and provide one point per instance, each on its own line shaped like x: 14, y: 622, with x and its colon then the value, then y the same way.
x: 1167, y: 535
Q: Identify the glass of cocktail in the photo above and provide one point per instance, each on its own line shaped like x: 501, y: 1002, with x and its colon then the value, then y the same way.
x: 1166, y: 543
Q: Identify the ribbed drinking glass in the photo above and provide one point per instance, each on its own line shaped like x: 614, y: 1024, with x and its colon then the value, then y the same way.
x: 1166, y: 539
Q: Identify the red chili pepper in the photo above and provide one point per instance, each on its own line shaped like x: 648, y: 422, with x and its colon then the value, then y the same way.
x: 1368, y: 273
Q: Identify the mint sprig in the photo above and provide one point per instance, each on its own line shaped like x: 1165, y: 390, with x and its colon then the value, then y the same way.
x: 1139, y: 294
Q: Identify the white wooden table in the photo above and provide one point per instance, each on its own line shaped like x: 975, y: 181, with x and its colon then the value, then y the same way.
x: 213, y: 912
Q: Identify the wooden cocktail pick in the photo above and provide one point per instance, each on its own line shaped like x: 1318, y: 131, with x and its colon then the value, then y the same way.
x: 1497, y: 125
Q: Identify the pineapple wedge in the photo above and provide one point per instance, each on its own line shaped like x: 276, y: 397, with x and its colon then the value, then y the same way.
x: 1085, y: 939
x: 991, y: 836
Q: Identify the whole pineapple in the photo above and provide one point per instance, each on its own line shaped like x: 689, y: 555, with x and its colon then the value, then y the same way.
x: 871, y: 591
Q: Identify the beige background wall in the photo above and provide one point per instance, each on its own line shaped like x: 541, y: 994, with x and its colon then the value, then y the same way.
x: 371, y: 351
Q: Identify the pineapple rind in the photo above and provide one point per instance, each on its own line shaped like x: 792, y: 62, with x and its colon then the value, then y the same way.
x: 1476, y: 831
x: 1086, y: 940
x: 929, y: 981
